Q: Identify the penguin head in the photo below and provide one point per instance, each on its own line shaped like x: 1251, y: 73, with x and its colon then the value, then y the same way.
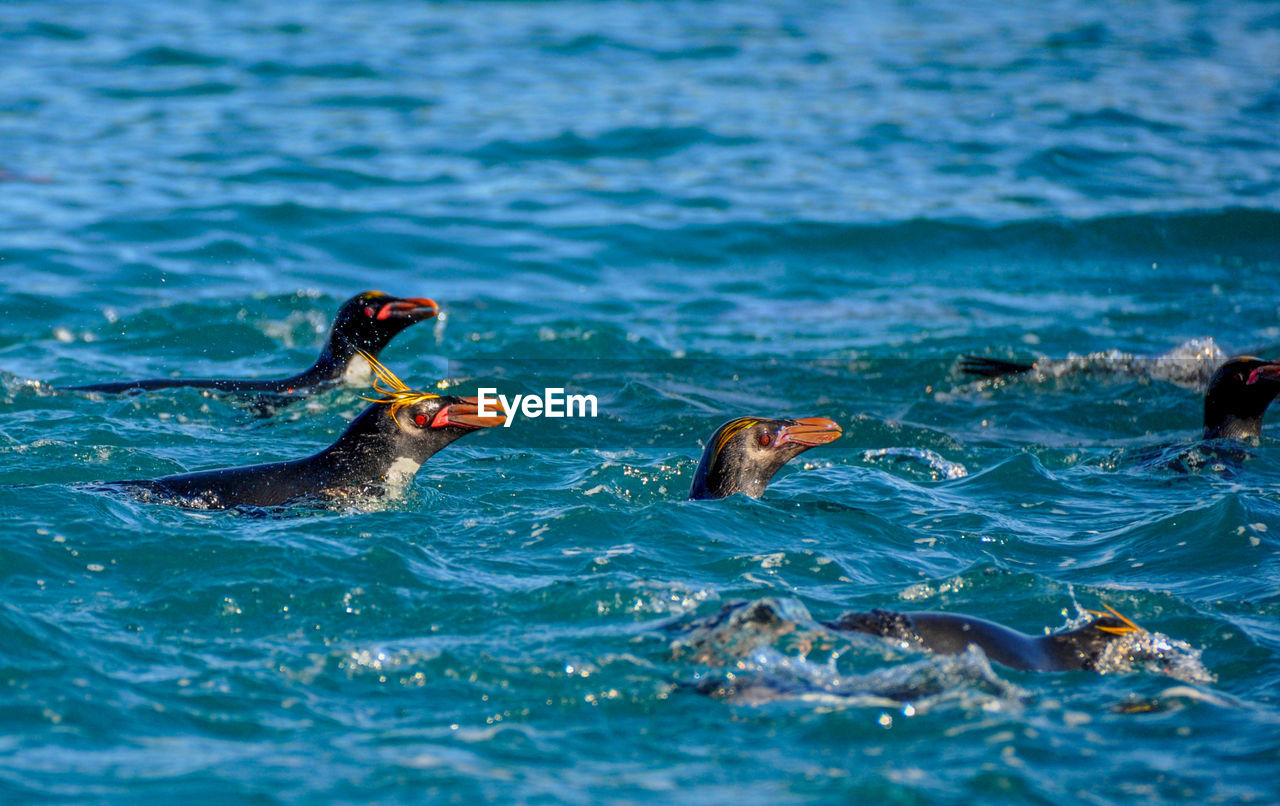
x: 369, y: 321
x: 1083, y: 647
x: 426, y: 423
x: 744, y: 454
x: 417, y: 423
x: 1238, y: 396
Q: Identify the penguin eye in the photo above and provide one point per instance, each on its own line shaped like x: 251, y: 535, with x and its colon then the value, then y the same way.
x: 420, y: 419
x: 765, y: 439
x: 368, y: 312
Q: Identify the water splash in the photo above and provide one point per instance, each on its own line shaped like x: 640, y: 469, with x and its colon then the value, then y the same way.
x: 1190, y: 365
x: 772, y: 650
x: 937, y: 467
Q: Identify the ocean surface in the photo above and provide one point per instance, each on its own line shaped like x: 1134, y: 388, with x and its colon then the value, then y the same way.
x: 693, y: 211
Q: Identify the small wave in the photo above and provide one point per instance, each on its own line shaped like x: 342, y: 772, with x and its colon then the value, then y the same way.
x: 1172, y: 698
x: 634, y: 142
x: 965, y: 680
x: 937, y: 467
x: 1090, y: 35
x: 303, y: 174
x: 1111, y: 117
x: 334, y: 70
x: 638, y: 483
x: 48, y: 30
x: 165, y: 56
x: 407, y: 103
x: 1097, y: 172
x: 602, y: 44
x: 181, y: 90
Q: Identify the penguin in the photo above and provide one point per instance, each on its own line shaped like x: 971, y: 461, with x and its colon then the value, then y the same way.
x: 1190, y: 365
x: 1237, y: 394
x: 744, y: 453
x: 952, y: 633
x: 377, y: 455
x: 364, y: 325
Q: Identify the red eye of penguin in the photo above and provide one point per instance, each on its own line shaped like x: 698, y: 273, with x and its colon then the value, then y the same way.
x: 368, y: 312
x: 765, y: 439
x: 420, y: 419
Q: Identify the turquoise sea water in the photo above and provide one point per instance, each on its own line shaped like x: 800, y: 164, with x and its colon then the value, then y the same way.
x: 694, y: 211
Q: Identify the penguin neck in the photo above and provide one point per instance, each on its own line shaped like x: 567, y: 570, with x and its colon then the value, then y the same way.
x: 729, y: 473
x: 1230, y: 426
x: 339, y: 362
x: 1233, y: 410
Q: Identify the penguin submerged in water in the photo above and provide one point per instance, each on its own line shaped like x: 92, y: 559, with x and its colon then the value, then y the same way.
x: 1237, y: 395
x: 740, y: 629
x: 1190, y: 365
x: 743, y: 454
x: 951, y: 633
x: 364, y: 325
x: 378, y: 454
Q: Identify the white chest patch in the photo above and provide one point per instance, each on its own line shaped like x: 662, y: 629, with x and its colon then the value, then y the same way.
x: 358, y: 372
x: 401, y: 472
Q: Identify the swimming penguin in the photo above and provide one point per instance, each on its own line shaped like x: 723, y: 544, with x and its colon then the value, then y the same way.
x: 363, y: 326
x: 743, y: 454
x: 1190, y: 365
x: 1238, y: 396
x: 378, y: 454
x: 951, y: 634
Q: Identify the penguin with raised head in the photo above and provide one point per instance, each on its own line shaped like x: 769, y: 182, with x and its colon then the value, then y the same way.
x: 743, y: 454
x: 378, y: 454
x: 364, y: 325
x: 1238, y: 396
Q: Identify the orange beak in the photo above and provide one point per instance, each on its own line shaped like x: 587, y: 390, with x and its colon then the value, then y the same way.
x: 809, y: 431
x: 467, y: 415
x: 414, y: 308
x: 1268, y: 372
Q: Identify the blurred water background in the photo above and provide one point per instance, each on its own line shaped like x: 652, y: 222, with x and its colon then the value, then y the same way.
x: 694, y: 211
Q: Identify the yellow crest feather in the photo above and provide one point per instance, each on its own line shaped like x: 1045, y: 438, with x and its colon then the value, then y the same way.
x: 731, y: 430
x: 1127, y: 625
x: 395, y: 392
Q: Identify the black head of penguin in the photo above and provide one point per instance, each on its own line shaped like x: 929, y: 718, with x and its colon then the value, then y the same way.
x: 396, y: 436
x: 369, y: 321
x: 743, y: 454
x: 1238, y: 396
